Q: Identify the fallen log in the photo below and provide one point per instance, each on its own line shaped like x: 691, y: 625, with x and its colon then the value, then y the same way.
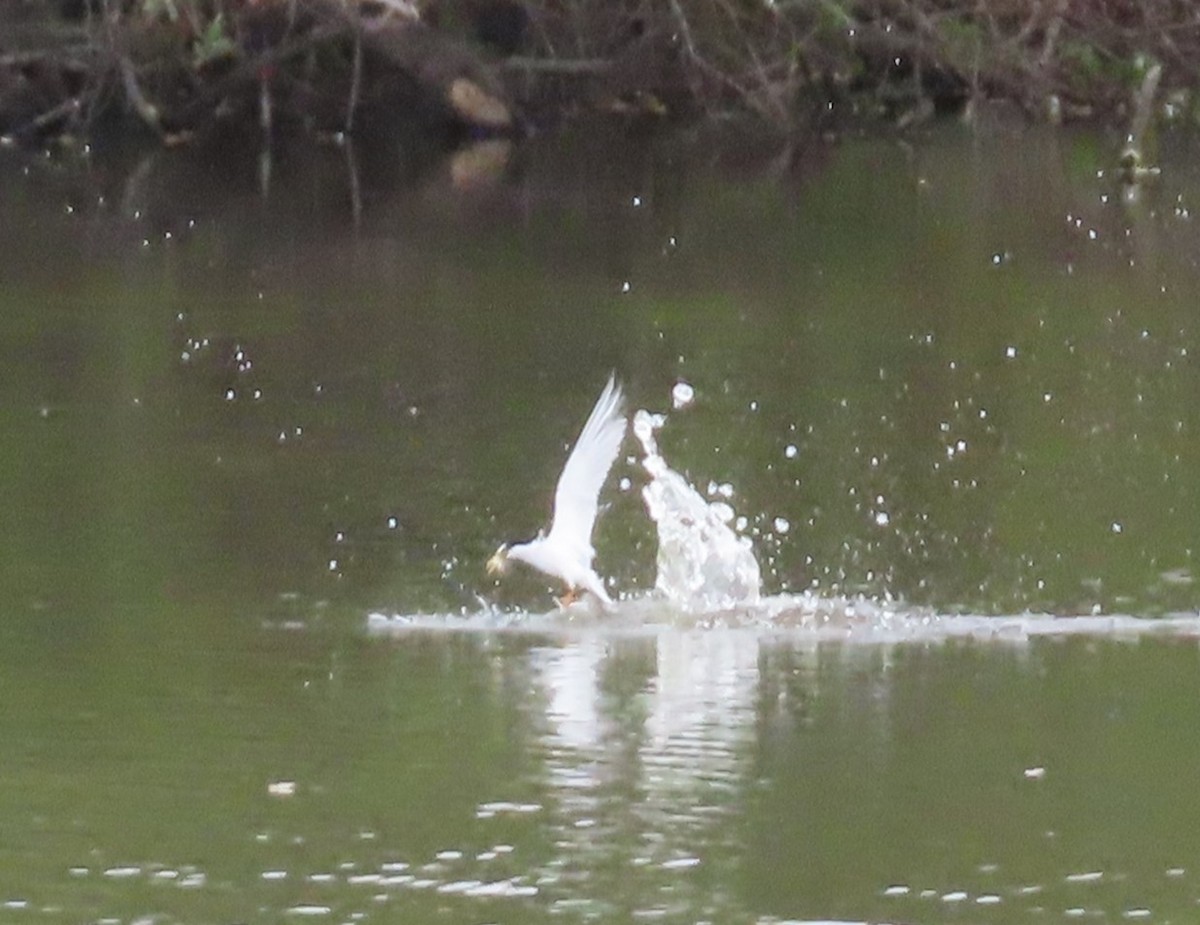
x: 322, y: 64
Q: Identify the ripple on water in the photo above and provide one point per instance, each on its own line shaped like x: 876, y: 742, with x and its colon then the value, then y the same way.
x: 771, y: 920
x: 308, y: 910
x: 684, y: 863
x: 1058, y: 898
x: 501, y: 807
x: 459, y: 886
x: 806, y: 616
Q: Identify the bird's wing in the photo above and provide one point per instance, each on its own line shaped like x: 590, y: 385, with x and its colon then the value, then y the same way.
x: 586, y: 469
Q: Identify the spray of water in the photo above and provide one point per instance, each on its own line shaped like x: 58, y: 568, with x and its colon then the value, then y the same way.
x: 703, y: 565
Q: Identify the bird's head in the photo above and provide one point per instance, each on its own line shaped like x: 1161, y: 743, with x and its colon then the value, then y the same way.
x: 498, y: 563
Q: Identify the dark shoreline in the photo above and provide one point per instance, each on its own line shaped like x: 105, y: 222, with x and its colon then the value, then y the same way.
x: 458, y: 70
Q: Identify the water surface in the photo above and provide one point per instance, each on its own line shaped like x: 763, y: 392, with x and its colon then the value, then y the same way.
x: 947, y: 382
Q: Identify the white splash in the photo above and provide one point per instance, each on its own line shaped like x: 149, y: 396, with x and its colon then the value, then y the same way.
x: 682, y: 395
x: 703, y: 565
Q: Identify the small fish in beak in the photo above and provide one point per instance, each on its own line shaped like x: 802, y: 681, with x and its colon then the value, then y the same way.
x: 498, y: 563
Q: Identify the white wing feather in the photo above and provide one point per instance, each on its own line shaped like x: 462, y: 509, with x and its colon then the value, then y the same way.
x: 578, y: 491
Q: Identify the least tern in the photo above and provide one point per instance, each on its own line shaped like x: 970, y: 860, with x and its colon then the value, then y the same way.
x: 565, y: 551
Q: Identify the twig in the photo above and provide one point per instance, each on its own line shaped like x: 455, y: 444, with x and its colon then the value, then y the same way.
x: 355, y: 188
x: 50, y: 116
x: 60, y: 57
x: 685, y: 30
x: 582, y: 66
x: 1143, y: 107
x: 1052, y: 32
x: 356, y: 78
x: 146, y: 110
x: 266, y: 118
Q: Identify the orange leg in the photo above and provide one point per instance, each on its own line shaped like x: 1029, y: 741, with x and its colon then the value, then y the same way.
x: 570, y: 596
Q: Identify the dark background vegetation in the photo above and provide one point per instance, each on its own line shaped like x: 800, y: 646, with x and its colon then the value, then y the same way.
x: 181, y: 67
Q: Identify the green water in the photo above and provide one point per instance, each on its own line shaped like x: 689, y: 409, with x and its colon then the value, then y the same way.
x: 956, y: 372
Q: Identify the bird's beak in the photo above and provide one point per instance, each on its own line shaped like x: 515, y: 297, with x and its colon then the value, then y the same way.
x: 498, y: 562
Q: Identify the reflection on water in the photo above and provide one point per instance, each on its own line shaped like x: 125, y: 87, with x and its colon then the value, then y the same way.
x: 646, y: 752
x: 679, y: 775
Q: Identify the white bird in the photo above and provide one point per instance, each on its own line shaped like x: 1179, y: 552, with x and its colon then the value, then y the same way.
x: 566, y: 551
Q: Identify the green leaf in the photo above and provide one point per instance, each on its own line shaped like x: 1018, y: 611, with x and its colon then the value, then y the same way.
x: 214, y: 43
